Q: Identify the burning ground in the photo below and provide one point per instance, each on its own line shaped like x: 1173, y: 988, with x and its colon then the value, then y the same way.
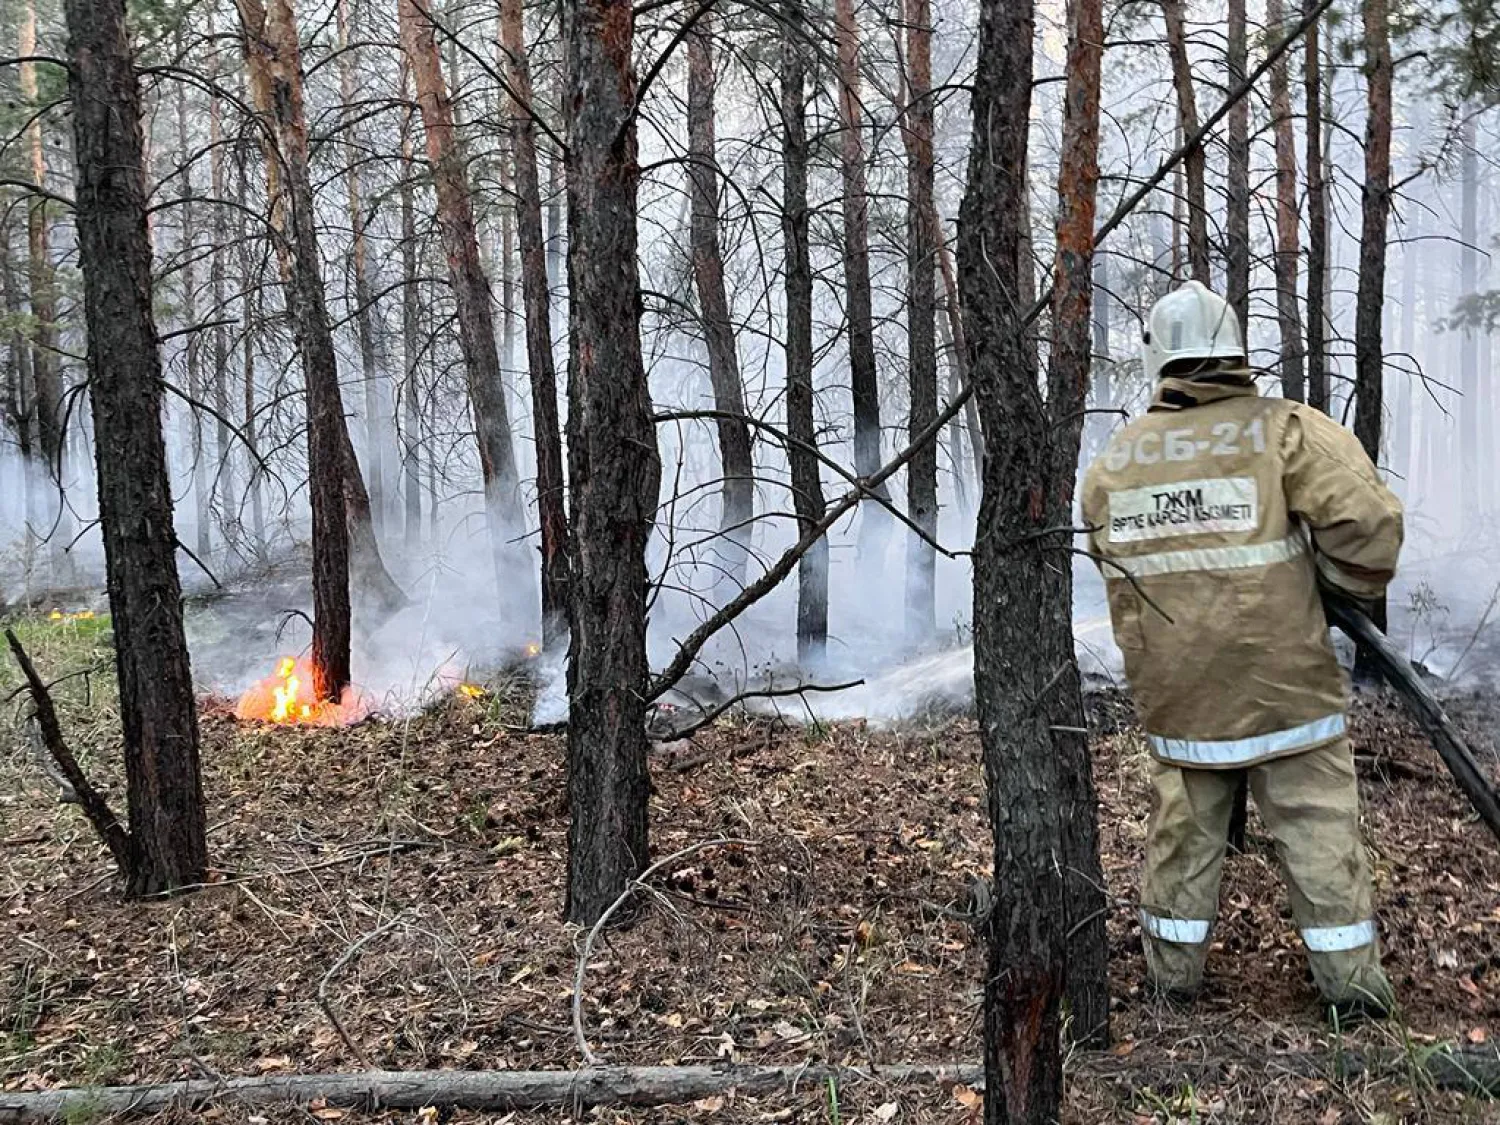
x: 387, y: 894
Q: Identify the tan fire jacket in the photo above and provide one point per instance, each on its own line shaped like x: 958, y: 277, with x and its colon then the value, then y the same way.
x: 1207, y: 503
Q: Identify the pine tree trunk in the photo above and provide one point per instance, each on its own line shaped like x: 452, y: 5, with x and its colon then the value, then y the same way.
x: 1317, y: 218
x: 471, y: 289
x: 1023, y: 638
x: 376, y: 422
x: 250, y: 317
x: 537, y: 296
x: 158, y: 712
x: 273, y: 58
x: 411, y: 342
x: 1194, y: 163
x: 961, y: 353
x: 1468, y: 357
x: 1237, y: 179
x: 22, y: 394
x: 807, y: 484
x: 192, y: 342
x: 613, y: 465
x: 1067, y: 395
x: 45, y: 366
x: 921, y: 322
x: 1288, y: 308
x: 864, y: 381
x: 737, y: 491
x: 223, y: 438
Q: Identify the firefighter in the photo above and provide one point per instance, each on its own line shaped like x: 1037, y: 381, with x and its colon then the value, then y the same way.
x: 1215, y: 518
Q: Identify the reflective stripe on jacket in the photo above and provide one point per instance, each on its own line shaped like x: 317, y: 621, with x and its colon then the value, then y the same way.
x: 1202, y: 511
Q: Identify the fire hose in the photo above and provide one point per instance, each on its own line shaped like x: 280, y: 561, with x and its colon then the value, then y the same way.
x: 1422, y: 703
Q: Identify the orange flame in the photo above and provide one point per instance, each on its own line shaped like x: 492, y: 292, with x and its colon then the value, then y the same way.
x: 471, y: 691
x: 287, y: 698
x: 533, y: 650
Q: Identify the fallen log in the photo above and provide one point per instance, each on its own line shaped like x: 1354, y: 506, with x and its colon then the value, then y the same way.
x: 1423, y: 705
x: 480, y: 1090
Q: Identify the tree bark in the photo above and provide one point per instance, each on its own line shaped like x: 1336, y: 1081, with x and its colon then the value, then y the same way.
x: 1194, y: 163
x: 250, y: 318
x: 807, y: 483
x: 1087, y: 944
x: 273, y: 58
x: 1317, y: 217
x: 961, y: 353
x: 1375, y: 198
x: 863, y: 377
x: 613, y: 463
x: 192, y: 342
x: 376, y: 422
x: 157, y: 708
x: 223, y: 438
x: 411, y: 339
x: 1468, y: 353
x: 737, y: 491
x: 921, y: 321
x: 45, y: 367
x: 1288, y: 308
x: 1237, y: 178
x: 22, y: 394
x: 471, y: 289
x: 1025, y: 677
x: 537, y: 296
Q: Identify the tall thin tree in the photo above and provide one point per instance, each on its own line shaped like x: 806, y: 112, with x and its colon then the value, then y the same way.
x: 1288, y: 307
x: 168, y: 832
x: 1237, y: 175
x: 737, y: 491
x: 614, y: 467
x: 1195, y: 162
x: 1317, y: 215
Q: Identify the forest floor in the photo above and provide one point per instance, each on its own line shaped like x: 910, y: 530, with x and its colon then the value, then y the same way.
x: 388, y: 895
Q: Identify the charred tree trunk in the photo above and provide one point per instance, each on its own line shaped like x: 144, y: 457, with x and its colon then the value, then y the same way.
x: 1375, y: 197
x: 411, y: 342
x: 921, y: 322
x: 1025, y: 678
x: 614, y: 467
x: 158, y: 712
x: 376, y: 423
x: 1237, y: 179
x: 471, y: 289
x: 1317, y: 218
x: 807, y: 484
x: 1194, y: 162
x: 537, y: 296
x: 863, y: 377
x: 738, y: 489
x: 1087, y: 944
x: 273, y: 58
x: 1288, y: 309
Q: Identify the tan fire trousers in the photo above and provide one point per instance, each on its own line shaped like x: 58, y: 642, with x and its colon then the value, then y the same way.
x: 1310, y: 804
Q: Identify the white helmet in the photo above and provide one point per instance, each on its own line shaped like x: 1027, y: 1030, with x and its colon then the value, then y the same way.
x: 1191, y: 322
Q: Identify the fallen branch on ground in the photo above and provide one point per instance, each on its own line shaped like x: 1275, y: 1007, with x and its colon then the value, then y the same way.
x: 482, y: 1090
x: 713, y: 713
x: 94, y: 806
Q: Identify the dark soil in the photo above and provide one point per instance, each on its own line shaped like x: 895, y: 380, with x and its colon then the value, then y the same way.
x: 389, y: 895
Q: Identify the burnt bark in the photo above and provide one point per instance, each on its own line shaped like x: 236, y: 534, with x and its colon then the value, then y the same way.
x: 1288, y: 308
x: 537, y: 297
x: 1237, y: 176
x: 807, y: 483
x: 864, y: 382
x: 273, y: 58
x: 158, y: 711
x: 921, y: 321
x: 737, y: 491
x: 1025, y: 677
x: 613, y: 465
x: 471, y: 289
x: 1195, y: 160
x: 1317, y: 216
x: 1087, y: 944
x: 1375, y: 209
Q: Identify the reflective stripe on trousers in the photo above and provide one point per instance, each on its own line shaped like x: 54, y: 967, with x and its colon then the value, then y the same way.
x: 1179, y: 931
x: 1242, y: 751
